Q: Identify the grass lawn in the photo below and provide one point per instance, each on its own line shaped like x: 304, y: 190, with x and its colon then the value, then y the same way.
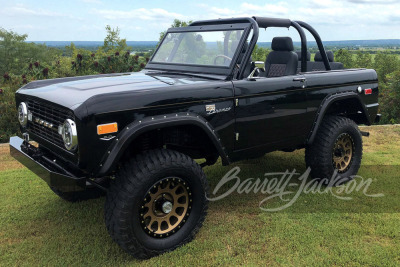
x: 38, y: 228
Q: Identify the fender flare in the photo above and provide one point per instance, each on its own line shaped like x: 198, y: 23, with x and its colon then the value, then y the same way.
x: 326, y: 104
x: 134, y: 129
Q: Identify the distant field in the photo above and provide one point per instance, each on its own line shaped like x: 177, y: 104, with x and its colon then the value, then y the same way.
x: 39, y: 229
x: 354, y: 56
x: 367, y: 44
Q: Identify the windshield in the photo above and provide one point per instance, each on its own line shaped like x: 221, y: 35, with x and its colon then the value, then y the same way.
x: 213, y: 48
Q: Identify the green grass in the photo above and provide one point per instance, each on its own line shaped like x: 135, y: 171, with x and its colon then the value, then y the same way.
x: 38, y: 228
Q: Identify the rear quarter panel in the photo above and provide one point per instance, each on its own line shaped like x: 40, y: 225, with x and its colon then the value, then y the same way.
x: 321, y: 85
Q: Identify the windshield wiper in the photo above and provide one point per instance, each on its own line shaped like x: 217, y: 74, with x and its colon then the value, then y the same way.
x: 185, y: 74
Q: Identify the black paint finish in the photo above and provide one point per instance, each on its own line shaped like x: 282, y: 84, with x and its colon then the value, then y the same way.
x: 50, y: 172
x: 272, y: 113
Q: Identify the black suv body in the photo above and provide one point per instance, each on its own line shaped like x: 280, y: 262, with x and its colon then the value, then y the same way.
x: 92, y: 128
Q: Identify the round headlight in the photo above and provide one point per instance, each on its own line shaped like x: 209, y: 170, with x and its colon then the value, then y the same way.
x: 23, y: 114
x: 69, y: 134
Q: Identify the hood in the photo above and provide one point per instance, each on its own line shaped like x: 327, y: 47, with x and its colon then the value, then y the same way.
x: 70, y: 92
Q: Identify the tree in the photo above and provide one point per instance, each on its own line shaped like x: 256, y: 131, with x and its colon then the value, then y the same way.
x: 11, y: 44
x: 176, y: 24
x: 390, y: 99
x: 363, y: 60
x: 344, y: 56
x: 113, y: 42
x: 384, y: 64
x: 260, y: 53
x: 16, y: 53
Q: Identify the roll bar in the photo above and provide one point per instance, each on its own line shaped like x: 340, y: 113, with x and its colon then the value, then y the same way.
x: 298, y: 25
x: 317, y: 38
x: 262, y: 22
x: 303, y: 39
x: 224, y: 21
x: 272, y: 22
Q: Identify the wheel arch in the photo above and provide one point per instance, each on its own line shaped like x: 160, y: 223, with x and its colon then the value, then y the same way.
x: 134, y: 130
x: 348, y: 104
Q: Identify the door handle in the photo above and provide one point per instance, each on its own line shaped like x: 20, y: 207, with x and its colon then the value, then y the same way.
x: 299, y: 79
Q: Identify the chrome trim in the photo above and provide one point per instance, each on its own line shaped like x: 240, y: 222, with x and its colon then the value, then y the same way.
x: 251, y: 75
x: 74, y: 134
x: 107, y: 138
x: 23, y: 114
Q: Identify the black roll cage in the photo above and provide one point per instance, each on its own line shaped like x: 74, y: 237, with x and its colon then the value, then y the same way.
x: 254, y: 24
x: 263, y: 22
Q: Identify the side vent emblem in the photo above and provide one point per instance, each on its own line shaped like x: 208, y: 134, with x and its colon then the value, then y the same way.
x: 210, y: 108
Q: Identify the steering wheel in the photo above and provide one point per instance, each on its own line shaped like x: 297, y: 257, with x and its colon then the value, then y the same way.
x: 223, y: 56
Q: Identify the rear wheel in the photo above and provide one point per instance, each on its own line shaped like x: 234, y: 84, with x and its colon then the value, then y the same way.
x: 337, y: 149
x: 156, y: 203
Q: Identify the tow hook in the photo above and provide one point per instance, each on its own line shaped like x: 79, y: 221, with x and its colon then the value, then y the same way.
x: 364, y: 133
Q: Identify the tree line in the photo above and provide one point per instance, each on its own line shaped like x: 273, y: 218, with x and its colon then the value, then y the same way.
x: 22, y: 62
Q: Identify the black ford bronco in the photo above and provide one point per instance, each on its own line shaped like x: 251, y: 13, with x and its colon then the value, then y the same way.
x: 135, y: 136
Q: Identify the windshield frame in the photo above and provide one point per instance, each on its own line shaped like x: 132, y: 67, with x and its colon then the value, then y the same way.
x: 207, y: 69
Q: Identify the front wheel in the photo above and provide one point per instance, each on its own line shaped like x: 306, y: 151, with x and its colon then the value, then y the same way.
x: 157, y: 202
x: 337, y: 149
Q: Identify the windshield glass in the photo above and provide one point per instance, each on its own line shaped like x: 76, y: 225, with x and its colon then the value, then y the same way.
x: 213, y: 48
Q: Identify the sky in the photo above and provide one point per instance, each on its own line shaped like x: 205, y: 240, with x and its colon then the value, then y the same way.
x: 85, y: 20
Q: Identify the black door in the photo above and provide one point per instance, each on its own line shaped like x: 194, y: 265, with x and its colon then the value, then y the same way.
x: 270, y: 112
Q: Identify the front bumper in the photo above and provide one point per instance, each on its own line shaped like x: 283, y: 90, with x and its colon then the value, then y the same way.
x: 44, y: 167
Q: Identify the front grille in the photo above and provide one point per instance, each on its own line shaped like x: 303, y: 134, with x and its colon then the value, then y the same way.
x: 50, y: 114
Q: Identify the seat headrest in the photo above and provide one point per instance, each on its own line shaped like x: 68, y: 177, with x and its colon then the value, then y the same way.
x: 282, y: 44
x: 299, y: 55
x: 330, y: 55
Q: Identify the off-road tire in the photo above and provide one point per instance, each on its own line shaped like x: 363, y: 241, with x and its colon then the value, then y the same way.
x: 320, y: 154
x: 133, y: 181
x: 89, y: 193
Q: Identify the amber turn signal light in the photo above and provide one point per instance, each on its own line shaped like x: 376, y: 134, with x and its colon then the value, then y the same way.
x: 107, y: 128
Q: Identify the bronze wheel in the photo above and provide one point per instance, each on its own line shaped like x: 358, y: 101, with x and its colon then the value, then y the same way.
x: 342, y: 154
x: 335, y: 154
x: 166, y: 207
x: 156, y: 203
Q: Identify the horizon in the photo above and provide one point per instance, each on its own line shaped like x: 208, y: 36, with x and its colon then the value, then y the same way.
x: 156, y: 41
x: 85, y: 20
x: 388, y: 39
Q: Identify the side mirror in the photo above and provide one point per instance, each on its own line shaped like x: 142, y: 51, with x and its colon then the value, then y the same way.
x: 259, y: 63
x: 257, y: 70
